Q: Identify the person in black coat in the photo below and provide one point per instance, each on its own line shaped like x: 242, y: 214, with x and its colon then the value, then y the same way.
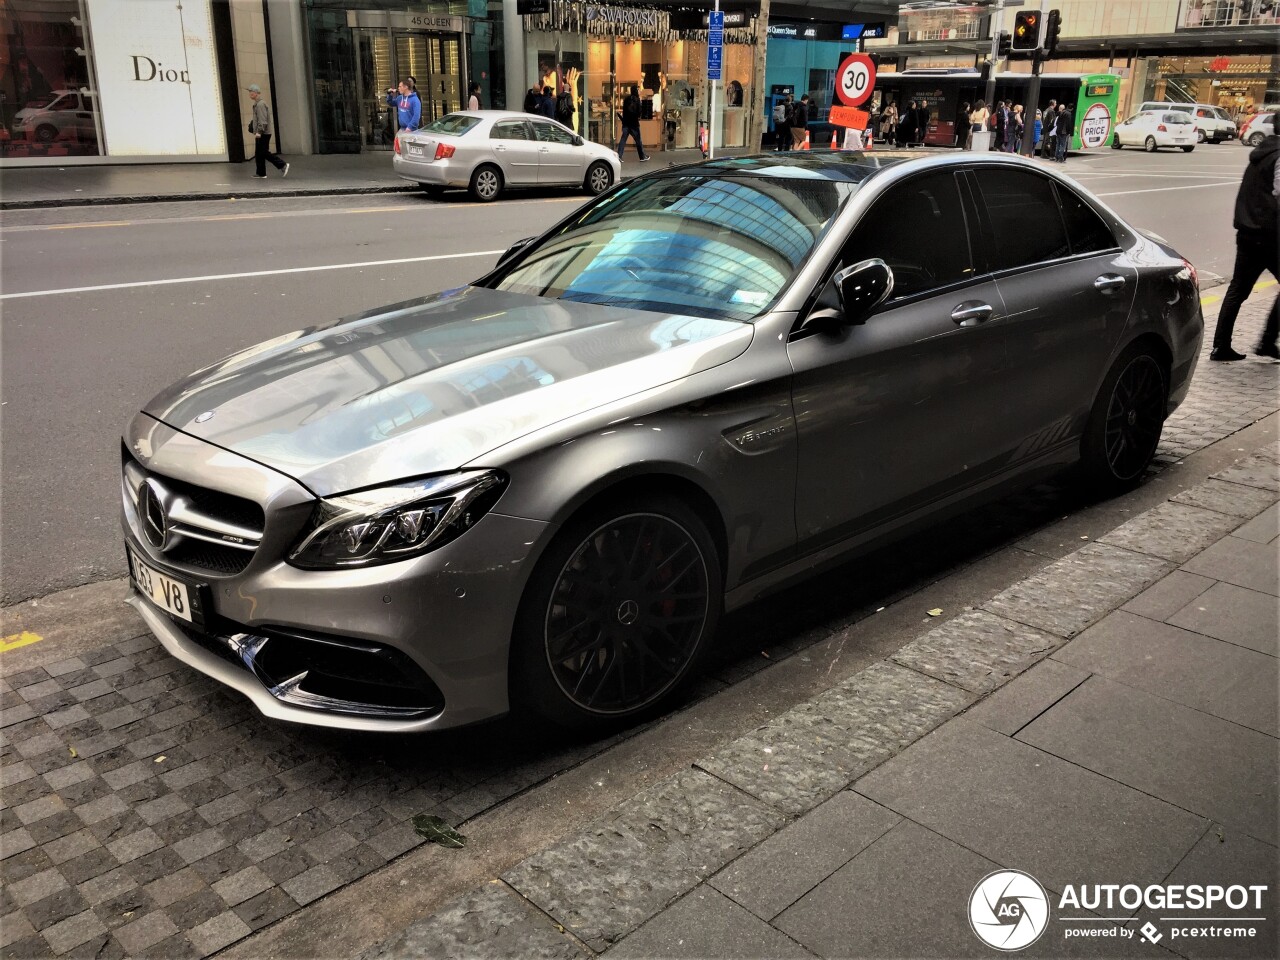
x: 631, y: 123
x: 907, y: 124
x: 547, y: 103
x: 922, y: 122
x: 1000, y: 116
x: 1064, y: 128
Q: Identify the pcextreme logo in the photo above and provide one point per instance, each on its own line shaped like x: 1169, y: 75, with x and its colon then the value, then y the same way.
x: 1009, y: 910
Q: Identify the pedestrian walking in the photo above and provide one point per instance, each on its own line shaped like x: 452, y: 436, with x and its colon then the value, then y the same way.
x: 473, y: 100
x: 800, y: 122
x: 1063, y: 129
x: 1050, y: 122
x: 565, y: 106
x: 631, y: 123
x: 977, y: 121
x: 1257, y: 249
x: 922, y: 122
x: 890, y: 127
x: 907, y: 124
x: 260, y: 127
x: 407, y: 103
x: 999, y: 120
x: 962, y: 124
x: 782, y: 124
x: 1017, y: 126
x: 1036, y: 133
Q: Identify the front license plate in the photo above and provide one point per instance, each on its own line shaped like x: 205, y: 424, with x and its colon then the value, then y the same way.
x: 417, y: 150
x: 175, y: 597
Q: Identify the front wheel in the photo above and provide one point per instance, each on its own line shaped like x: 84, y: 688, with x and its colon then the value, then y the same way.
x: 1150, y: 145
x: 1124, y: 425
x: 1115, y: 142
x: 1254, y: 139
x: 486, y: 183
x: 599, y: 178
x: 617, y: 614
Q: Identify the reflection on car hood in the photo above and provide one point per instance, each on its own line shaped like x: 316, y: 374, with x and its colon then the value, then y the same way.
x: 430, y: 385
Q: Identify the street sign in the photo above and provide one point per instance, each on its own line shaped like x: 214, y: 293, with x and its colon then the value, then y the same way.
x: 715, y: 44
x: 849, y: 117
x: 855, y: 80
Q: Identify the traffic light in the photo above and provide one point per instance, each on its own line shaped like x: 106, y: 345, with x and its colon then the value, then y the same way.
x: 1004, y: 41
x: 1026, y: 30
x: 1052, y: 29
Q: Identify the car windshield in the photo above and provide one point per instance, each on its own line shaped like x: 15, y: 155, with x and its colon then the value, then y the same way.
x: 706, y: 246
x: 453, y: 124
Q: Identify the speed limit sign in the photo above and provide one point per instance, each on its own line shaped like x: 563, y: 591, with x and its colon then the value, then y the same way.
x: 855, y: 79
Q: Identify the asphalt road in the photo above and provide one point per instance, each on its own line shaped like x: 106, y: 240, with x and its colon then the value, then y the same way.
x: 103, y: 306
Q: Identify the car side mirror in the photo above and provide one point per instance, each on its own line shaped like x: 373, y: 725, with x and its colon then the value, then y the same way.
x: 862, y: 287
x: 578, y: 141
x: 515, y: 248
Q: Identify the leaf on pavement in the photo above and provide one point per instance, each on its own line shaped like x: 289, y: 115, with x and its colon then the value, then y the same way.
x: 935, y: 612
x: 437, y: 830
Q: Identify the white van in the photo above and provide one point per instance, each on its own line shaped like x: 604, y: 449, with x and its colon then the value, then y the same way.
x: 1213, y: 124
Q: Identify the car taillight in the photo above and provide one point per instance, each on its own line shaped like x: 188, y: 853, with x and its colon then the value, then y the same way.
x: 397, y: 147
x: 444, y: 151
x: 1162, y: 128
x: 1195, y: 277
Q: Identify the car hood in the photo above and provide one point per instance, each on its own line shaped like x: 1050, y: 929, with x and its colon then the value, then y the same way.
x: 432, y: 384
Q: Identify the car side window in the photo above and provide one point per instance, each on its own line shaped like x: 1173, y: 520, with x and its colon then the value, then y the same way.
x: 1086, y: 231
x: 1024, y: 216
x: 550, y: 133
x: 918, y: 229
x: 510, y: 130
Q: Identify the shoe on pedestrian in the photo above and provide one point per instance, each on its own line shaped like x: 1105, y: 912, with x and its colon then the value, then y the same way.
x: 1224, y: 355
x: 1267, y: 350
x: 285, y: 172
x: 644, y: 159
x: 259, y: 176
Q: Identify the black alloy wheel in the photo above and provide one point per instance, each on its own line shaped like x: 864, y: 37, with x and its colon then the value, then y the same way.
x: 625, y: 604
x: 1125, y: 424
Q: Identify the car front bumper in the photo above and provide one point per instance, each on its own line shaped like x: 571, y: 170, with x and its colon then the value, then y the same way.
x: 442, y: 620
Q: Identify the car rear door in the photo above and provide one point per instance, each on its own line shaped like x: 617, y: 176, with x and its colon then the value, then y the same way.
x: 515, y: 150
x: 559, y: 161
x: 899, y: 412
x: 1067, y: 289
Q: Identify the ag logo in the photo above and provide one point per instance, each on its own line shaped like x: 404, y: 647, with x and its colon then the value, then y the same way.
x: 1008, y: 910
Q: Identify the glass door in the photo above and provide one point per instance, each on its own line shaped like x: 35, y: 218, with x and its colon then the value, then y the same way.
x: 376, y: 75
x: 435, y: 62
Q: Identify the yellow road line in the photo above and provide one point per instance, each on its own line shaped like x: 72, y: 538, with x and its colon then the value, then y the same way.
x: 14, y: 641
x: 1212, y: 298
x: 82, y: 226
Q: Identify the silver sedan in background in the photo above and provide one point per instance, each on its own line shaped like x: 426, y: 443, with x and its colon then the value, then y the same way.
x: 487, y: 151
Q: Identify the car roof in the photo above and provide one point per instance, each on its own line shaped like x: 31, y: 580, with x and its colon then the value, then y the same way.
x: 844, y: 166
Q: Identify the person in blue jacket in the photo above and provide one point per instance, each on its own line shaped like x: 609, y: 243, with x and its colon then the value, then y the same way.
x: 408, y: 106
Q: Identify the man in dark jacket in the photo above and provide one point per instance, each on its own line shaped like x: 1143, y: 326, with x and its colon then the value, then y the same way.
x: 800, y: 122
x: 1000, y: 119
x: 547, y: 104
x: 565, y: 107
x: 922, y: 122
x: 1064, y: 129
x: 1048, y: 120
x: 631, y: 123
x: 1257, y: 249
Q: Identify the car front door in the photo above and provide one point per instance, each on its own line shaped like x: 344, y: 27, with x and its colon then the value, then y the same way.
x: 1067, y: 290
x: 515, y: 150
x: 559, y: 161
x: 899, y: 412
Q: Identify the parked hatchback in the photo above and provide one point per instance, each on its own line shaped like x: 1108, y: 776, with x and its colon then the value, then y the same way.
x: 1154, y: 130
x: 489, y: 151
x: 1257, y: 128
x: 1213, y: 124
x: 543, y: 488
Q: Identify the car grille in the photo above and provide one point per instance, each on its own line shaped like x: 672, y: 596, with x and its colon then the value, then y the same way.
x: 203, y: 529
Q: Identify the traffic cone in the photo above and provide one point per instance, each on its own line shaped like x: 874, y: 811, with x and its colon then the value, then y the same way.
x: 805, y: 145
x: 868, y: 141
x: 834, y: 145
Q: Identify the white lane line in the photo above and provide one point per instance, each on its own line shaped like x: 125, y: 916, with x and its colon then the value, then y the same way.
x: 1185, y: 186
x: 244, y: 276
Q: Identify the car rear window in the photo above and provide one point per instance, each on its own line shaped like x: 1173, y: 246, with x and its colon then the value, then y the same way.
x: 453, y: 125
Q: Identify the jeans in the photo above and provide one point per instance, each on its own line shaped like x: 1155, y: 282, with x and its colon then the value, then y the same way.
x: 262, y: 153
x: 1253, y: 255
x: 634, y: 133
x: 1060, y: 147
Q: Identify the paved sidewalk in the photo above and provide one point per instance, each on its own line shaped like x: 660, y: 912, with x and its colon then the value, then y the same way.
x: 317, y: 175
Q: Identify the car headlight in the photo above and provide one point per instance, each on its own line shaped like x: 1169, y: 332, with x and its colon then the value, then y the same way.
x: 392, y: 523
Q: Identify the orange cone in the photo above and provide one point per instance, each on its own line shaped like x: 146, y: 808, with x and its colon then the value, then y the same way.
x: 868, y: 141
x: 805, y: 145
x: 834, y: 145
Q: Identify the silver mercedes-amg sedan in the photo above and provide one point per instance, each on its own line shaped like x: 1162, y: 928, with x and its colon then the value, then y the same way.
x: 544, y: 488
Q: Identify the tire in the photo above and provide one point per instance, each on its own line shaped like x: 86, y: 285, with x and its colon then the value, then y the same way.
x: 596, y: 642
x: 486, y: 183
x: 1124, y: 426
x: 1115, y: 142
x: 432, y: 190
x: 1254, y: 139
x: 599, y: 178
x: 1187, y: 149
x: 1200, y: 138
x: 46, y: 133
x: 1150, y: 145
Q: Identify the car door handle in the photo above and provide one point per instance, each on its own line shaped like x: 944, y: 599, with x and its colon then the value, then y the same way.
x: 1108, y: 282
x: 971, y: 313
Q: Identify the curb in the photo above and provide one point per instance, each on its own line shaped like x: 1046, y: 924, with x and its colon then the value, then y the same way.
x: 188, y: 197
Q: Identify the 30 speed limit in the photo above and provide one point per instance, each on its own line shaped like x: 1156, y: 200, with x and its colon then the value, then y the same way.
x: 855, y: 79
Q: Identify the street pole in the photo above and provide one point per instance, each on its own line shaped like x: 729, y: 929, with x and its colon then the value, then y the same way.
x: 989, y: 95
x: 1028, y: 146
x: 711, y: 110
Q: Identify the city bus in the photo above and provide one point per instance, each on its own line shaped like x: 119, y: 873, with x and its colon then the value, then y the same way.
x: 1093, y: 97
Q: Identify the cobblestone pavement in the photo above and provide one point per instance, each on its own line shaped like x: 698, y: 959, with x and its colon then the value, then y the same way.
x: 148, y: 811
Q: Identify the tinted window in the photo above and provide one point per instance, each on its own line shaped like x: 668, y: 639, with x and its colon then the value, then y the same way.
x: 510, y: 130
x: 454, y: 124
x: 550, y: 133
x: 918, y: 229
x: 1176, y: 118
x: 1024, y: 218
x: 1204, y: 113
x: 1086, y: 231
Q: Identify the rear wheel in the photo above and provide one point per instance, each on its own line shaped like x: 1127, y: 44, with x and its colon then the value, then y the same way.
x: 599, y: 178
x: 1125, y: 423
x: 1254, y: 139
x: 1199, y: 135
x: 486, y: 183
x: 1150, y: 145
x: 617, y: 614
x: 1187, y: 149
x: 46, y: 133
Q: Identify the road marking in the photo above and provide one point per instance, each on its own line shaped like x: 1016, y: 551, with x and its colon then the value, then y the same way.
x: 16, y: 640
x: 245, y: 276
x: 81, y: 226
x: 1185, y: 186
x: 1214, y: 298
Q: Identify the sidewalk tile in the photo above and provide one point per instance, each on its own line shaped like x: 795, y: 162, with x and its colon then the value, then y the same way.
x: 242, y: 886
x: 1256, y: 471
x: 73, y: 931
x: 212, y: 935
x: 1242, y: 562
x: 977, y: 651
x: 772, y: 876
x: 36, y: 887
x: 1173, y: 531
x: 311, y: 884
x: 1168, y: 596
x: 1243, y: 617
x: 107, y: 885
x: 1068, y: 595
x: 1217, y: 678
x: 1026, y: 809
x: 488, y: 923
x: 1012, y: 707
x: 705, y: 925
x: 1236, y: 499
x: 1264, y: 528
x: 145, y: 932
x: 1220, y: 770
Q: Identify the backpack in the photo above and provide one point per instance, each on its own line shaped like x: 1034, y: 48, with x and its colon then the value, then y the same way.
x: 564, y: 108
x: 780, y: 112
